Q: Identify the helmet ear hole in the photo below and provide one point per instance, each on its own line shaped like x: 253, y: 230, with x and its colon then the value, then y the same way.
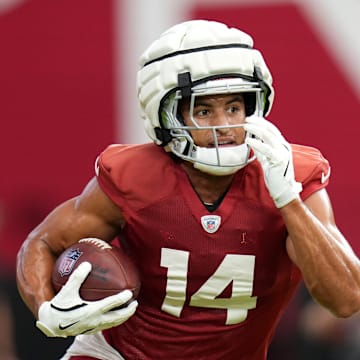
x: 180, y: 117
x: 250, y: 103
x: 180, y: 108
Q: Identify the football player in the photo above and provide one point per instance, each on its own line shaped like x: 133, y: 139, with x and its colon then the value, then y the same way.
x: 222, y: 216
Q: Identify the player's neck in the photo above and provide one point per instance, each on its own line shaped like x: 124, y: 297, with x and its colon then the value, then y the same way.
x: 208, y: 187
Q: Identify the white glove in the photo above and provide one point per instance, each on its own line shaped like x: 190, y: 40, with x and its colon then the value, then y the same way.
x: 275, y: 156
x: 69, y: 315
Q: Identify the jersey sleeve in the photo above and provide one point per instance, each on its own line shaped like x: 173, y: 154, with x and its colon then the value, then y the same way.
x: 108, y: 175
x: 311, y: 169
x: 132, y: 175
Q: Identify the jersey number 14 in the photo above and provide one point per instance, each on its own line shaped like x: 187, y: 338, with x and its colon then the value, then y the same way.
x: 235, y: 269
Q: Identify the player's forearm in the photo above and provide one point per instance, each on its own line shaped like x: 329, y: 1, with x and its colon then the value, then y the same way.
x: 330, y: 269
x: 34, y: 264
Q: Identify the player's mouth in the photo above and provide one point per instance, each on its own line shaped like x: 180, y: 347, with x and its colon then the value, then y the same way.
x: 222, y: 143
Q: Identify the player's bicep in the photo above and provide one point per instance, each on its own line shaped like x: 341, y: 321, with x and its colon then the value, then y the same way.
x: 101, y: 214
x: 91, y: 214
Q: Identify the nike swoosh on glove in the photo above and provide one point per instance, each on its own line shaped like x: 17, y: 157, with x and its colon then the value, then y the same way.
x: 275, y: 156
x: 67, y: 314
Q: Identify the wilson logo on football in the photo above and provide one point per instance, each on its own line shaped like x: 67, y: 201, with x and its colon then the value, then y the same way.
x: 69, y: 262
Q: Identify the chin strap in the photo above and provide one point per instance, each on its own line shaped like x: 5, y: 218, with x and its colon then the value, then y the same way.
x: 215, y: 161
x: 217, y: 170
x: 221, y: 161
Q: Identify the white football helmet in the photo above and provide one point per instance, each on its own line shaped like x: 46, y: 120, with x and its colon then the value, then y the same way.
x: 198, y: 58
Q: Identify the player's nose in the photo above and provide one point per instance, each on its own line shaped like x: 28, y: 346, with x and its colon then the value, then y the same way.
x: 223, y: 121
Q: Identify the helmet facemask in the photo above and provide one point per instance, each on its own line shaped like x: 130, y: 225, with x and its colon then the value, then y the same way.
x: 216, y: 160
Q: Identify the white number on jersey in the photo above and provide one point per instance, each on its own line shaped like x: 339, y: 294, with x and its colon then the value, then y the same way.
x: 237, y: 270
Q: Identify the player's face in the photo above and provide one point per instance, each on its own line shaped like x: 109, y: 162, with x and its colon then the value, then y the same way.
x: 216, y: 110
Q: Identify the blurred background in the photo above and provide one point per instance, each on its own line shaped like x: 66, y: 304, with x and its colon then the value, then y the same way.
x: 67, y: 90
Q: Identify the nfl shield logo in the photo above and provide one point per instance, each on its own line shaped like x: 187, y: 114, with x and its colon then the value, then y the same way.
x: 211, y: 223
x: 69, y: 261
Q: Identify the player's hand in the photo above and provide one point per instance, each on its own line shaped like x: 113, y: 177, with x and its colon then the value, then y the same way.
x: 275, y: 156
x: 69, y: 315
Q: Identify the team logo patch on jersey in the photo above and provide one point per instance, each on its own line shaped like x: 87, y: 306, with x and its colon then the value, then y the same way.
x: 69, y: 262
x: 211, y: 223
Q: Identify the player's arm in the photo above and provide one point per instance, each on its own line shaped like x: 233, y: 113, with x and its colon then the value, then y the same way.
x: 330, y: 269
x: 91, y: 214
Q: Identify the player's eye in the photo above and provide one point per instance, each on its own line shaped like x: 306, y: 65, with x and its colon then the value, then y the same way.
x: 201, y: 112
x: 234, y: 109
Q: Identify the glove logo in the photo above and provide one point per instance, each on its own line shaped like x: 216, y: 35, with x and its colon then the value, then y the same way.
x: 67, y: 326
x: 69, y: 262
x: 211, y: 223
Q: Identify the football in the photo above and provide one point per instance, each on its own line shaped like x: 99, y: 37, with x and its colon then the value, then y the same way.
x: 112, y: 270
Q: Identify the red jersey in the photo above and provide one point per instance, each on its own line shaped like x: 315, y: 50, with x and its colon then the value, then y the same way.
x: 214, y: 285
